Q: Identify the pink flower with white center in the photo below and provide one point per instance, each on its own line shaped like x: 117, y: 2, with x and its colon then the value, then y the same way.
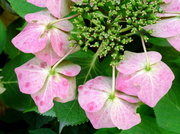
x: 169, y: 26
x: 47, y: 40
x: 106, y: 109
x: 45, y: 84
x: 149, y: 82
x: 59, y: 8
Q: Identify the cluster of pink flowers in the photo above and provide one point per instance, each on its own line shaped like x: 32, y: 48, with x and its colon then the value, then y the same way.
x: 169, y: 25
x: 48, y: 77
x: 134, y: 83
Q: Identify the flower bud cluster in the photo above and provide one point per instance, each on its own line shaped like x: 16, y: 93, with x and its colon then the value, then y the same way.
x: 111, y: 24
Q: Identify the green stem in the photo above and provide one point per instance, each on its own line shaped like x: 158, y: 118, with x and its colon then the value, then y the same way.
x: 148, y: 67
x: 125, y: 29
x: 113, y: 79
x: 57, y: 63
x: 63, y: 19
x: 9, y: 82
x: 93, y: 62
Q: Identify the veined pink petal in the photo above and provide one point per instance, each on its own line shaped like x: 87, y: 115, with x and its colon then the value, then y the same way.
x: 155, y: 84
x: 29, y: 40
x: 102, y: 118
x: 68, y: 68
x: 32, y: 75
x: 123, y: 114
x: 48, y: 55
x: 39, y: 3
x: 59, y: 42
x: 175, y: 41
x: 136, y: 61
x: 59, y: 8
x: 56, y: 86
x: 66, y: 26
x: 165, y: 28
x: 41, y: 17
x: 131, y: 99
x: 172, y: 5
x: 122, y: 84
x: 92, y: 99
x: 71, y: 92
x: 149, y: 86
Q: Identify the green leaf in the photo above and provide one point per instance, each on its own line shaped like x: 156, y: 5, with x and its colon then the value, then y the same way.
x: 12, y: 96
x: 167, y: 110
x: 22, y: 7
x: 108, y: 131
x: 35, y: 120
x: 42, y: 131
x: 159, y: 41
x: 2, y: 37
x: 147, y: 126
x: 69, y: 113
x: 90, y: 66
x: 10, y: 49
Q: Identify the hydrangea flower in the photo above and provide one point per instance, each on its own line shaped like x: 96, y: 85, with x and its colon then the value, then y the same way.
x: 169, y: 26
x: 59, y: 8
x: 47, y: 40
x: 106, y: 109
x: 45, y: 84
x: 149, y: 83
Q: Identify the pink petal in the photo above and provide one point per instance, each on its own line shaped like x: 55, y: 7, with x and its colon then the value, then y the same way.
x: 56, y: 86
x: 123, y: 114
x: 91, y: 96
x: 131, y: 99
x: 66, y: 26
x: 155, y: 84
x: 149, y: 86
x: 59, y: 42
x: 29, y: 39
x: 133, y: 62
x: 101, y: 119
x: 122, y: 84
x: 68, y: 68
x: 175, y: 41
x: 165, y: 28
x: 32, y: 75
x: 72, y: 91
x: 59, y: 8
x: 39, y: 3
x: 41, y: 17
x: 48, y: 55
x: 167, y: 1
x: 173, y: 5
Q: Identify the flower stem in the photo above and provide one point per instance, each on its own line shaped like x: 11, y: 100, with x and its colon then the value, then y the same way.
x: 113, y: 79
x: 57, y: 63
x: 148, y: 67
x: 63, y: 19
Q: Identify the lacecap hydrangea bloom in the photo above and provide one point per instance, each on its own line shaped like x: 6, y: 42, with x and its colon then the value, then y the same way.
x: 149, y: 81
x: 46, y: 84
x: 44, y: 38
x: 106, y: 108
